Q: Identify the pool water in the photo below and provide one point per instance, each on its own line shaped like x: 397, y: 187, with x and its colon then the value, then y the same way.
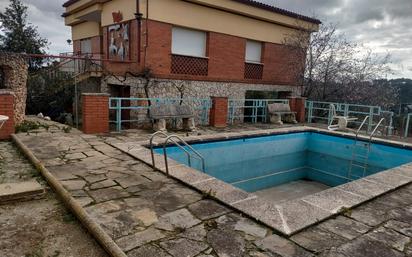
x: 254, y: 164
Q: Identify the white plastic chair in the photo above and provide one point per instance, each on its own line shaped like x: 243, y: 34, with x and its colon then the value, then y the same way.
x: 3, y: 120
x: 343, y: 121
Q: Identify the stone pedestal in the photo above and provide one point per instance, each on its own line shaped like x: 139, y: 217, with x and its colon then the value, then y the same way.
x: 189, y: 124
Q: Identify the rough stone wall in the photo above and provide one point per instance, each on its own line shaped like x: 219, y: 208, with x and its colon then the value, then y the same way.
x: 15, y: 72
x: 165, y: 88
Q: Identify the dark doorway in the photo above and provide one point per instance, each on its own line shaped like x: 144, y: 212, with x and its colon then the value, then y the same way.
x: 2, y: 78
x: 250, y: 94
x: 123, y: 92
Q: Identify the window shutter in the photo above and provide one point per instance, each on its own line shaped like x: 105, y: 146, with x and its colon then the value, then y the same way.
x: 253, y: 51
x: 86, y: 46
x: 188, y: 42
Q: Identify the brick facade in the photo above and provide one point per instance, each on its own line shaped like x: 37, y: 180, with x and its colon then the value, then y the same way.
x: 218, y: 112
x: 95, y: 109
x: 7, y: 109
x: 226, y: 57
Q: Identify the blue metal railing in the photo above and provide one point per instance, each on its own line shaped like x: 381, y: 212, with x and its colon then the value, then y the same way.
x: 139, y: 107
x: 321, y: 111
x: 252, y: 109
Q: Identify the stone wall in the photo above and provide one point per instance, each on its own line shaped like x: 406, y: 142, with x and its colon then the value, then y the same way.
x: 15, y: 68
x: 165, y: 88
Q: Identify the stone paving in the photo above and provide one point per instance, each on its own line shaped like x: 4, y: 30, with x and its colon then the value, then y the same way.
x: 149, y: 214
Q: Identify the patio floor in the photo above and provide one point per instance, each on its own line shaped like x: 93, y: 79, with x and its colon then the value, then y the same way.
x: 149, y: 214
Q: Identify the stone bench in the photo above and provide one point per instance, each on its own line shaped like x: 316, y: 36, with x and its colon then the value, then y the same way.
x: 279, y: 112
x: 160, y: 113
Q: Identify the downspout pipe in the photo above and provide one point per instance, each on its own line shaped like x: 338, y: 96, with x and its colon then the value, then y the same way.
x: 139, y: 16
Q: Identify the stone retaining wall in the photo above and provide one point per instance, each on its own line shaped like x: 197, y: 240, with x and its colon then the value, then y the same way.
x: 198, y: 89
x: 14, y: 68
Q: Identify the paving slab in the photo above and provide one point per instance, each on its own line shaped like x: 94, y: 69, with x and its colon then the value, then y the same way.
x: 345, y: 227
x: 226, y: 243
x: 363, y: 247
x: 20, y: 191
x: 148, y: 251
x: 279, y: 246
x: 390, y: 238
x: 183, y: 247
x: 318, y: 240
x: 180, y: 219
x: 138, y: 239
x: 207, y: 209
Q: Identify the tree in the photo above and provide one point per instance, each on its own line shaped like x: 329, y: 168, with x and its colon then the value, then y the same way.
x: 18, y: 35
x: 336, y: 69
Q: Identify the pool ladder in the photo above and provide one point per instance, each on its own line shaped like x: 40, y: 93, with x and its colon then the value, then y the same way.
x: 360, y: 151
x: 180, y: 143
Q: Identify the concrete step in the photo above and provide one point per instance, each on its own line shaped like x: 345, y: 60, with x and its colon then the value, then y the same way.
x: 22, y: 191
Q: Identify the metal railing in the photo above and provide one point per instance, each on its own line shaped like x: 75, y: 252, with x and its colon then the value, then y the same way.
x: 253, y: 110
x: 408, y: 121
x: 189, y: 155
x: 317, y: 110
x: 361, y: 126
x: 138, y: 108
x: 178, y: 143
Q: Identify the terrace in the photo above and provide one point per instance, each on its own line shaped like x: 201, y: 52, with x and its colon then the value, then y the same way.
x: 135, y: 210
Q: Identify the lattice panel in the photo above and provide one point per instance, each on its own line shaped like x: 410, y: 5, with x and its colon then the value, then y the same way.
x: 253, y: 71
x: 188, y: 65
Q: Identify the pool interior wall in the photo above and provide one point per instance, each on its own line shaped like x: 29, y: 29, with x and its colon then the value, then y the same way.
x: 258, y: 163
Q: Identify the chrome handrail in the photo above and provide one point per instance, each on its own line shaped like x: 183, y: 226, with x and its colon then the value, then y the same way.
x: 165, y: 135
x: 376, y: 128
x: 197, y: 154
x: 361, y: 126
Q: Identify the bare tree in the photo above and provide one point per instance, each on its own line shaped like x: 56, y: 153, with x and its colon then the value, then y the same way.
x: 336, y: 69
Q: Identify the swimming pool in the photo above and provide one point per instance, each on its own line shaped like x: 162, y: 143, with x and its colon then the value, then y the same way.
x: 258, y: 163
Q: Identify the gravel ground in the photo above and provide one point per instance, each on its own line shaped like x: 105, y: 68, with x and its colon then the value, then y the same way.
x: 38, y: 228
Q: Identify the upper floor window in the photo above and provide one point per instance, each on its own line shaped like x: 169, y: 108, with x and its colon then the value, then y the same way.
x: 86, y: 46
x: 188, y: 42
x: 253, y: 52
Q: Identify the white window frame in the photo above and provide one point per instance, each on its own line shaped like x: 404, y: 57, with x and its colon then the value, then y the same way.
x: 252, y: 51
x: 189, y: 42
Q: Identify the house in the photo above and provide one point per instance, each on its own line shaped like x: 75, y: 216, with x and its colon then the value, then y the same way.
x: 190, y: 48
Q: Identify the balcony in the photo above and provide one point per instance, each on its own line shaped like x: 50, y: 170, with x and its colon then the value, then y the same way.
x: 189, y: 65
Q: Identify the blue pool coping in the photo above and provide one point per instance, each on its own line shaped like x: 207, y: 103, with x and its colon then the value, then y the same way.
x: 290, y: 217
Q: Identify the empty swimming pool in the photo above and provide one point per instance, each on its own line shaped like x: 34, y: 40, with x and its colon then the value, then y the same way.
x: 258, y: 163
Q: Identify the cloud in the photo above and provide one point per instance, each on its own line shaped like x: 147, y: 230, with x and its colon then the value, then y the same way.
x: 384, y: 25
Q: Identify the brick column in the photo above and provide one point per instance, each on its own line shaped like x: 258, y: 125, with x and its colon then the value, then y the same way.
x: 7, y: 109
x: 95, y: 108
x: 297, y: 104
x: 218, y: 112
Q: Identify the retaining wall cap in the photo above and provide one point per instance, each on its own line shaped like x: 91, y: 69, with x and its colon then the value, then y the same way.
x: 6, y: 92
x: 96, y: 94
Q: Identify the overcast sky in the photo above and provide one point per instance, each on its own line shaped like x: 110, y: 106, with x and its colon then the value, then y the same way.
x: 384, y: 25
